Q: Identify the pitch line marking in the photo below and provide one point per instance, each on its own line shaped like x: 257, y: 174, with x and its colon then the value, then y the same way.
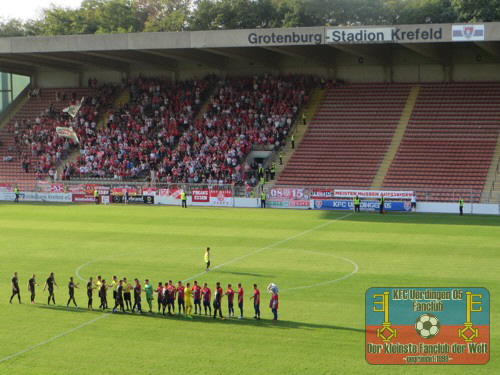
x: 356, y: 269
x: 221, y: 265
x: 52, y: 339
x: 271, y: 245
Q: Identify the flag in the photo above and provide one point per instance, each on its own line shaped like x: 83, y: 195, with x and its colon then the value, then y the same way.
x: 72, y: 110
x: 67, y: 133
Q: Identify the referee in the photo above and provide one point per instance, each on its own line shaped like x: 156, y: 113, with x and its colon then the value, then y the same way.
x: 207, y: 259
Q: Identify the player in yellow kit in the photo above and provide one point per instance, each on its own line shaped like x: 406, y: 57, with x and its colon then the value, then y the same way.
x: 187, y: 301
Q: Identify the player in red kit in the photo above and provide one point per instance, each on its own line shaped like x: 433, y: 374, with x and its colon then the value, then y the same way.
x: 170, y: 290
x: 159, y: 292
x: 240, y: 300
x: 256, y: 301
x: 197, y: 297
x: 273, y: 304
x: 206, y: 293
x: 180, y: 298
x: 230, y: 297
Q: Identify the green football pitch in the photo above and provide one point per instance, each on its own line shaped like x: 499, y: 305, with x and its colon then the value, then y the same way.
x: 322, y: 261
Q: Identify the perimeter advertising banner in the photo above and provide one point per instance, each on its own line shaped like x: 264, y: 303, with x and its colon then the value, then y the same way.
x: 427, y: 326
x: 340, y: 193
x: 364, y: 205
x: 221, y: 198
x: 200, y: 195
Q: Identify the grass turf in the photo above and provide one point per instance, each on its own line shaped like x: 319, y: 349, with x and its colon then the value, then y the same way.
x: 321, y: 329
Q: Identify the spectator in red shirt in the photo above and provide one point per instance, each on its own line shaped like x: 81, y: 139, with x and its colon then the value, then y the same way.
x: 256, y: 301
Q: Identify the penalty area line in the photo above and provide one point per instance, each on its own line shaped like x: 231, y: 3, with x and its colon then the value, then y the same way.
x: 52, y: 338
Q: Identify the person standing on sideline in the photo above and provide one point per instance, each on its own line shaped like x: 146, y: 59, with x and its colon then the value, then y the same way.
x: 16, y: 192
x: 414, y: 203
x: 357, y: 204
x: 381, y: 202
x: 126, y: 196
x: 292, y: 138
x: 149, y: 294
x: 187, y: 301
x: 230, y: 298
x: 263, y: 199
x: 240, y: 300
x: 137, y: 296
x: 218, y: 300
x: 71, y: 290
x: 180, y: 298
x: 119, y: 297
x: 461, y: 205
x: 31, y: 288
x: 96, y: 196
x: 256, y: 301
x: 207, y: 259
x: 303, y: 118
x: 197, y: 297
x: 273, y: 304
x: 183, y: 200
x: 15, y: 288
x: 280, y: 155
x: 49, y: 284
x: 90, y: 290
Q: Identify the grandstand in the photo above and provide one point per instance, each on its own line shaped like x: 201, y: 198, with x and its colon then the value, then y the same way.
x: 397, y: 114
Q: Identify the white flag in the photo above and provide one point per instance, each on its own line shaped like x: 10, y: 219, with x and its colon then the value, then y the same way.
x: 72, y: 110
x: 67, y: 133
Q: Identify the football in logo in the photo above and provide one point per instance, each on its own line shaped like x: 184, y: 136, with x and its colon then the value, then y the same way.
x: 427, y: 326
x: 468, y: 31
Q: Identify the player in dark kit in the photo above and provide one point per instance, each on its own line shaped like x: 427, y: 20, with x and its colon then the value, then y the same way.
x: 180, y: 298
x: 159, y: 297
x: 170, y: 294
x: 206, y: 292
x: 197, y: 297
x: 218, y: 293
x: 15, y: 288
x: 90, y: 290
x: 240, y: 300
x: 103, y: 294
x: 71, y: 290
x: 49, y: 284
x: 137, y: 296
x: 119, y: 297
x: 31, y: 288
x: 127, y: 296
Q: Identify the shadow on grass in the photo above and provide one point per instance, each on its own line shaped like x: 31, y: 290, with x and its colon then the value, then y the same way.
x: 416, y: 218
x: 267, y: 323
x: 243, y: 273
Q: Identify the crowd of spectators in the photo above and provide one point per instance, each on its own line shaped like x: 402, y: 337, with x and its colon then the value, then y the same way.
x: 157, y: 135
x: 39, y: 135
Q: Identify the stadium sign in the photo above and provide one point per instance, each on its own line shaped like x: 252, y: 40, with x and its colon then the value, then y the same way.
x: 467, y: 33
x: 364, y: 205
x: 383, y: 35
x: 430, y: 326
x: 286, y: 38
x: 373, y: 194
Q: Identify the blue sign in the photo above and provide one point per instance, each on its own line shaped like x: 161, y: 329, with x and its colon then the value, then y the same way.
x: 364, y: 205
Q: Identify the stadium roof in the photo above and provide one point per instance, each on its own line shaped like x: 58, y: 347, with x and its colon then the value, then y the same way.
x: 260, y: 47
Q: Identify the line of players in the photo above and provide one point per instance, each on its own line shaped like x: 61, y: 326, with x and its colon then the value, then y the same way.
x: 166, y: 296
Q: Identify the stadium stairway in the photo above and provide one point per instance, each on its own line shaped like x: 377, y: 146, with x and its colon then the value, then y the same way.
x: 491, y: 192
x: 396, y: 138
x: 298, y: 130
